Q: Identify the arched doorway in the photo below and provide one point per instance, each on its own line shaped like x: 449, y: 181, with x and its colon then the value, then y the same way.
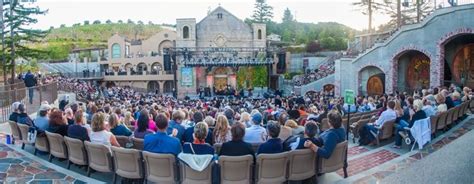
x: 413, y: 71
x: 153, y: 86
x: 459, y: 61
x: 110, y: 84
x: 156, y: 68
x: 372, y: 81
x: 164, y: 45
x: 128, y: 66
x: 463, y: 66
x: 168, y: 87
x: 141, y: 67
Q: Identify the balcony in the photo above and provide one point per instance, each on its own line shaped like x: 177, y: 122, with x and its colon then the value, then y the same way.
x: 138, y: 76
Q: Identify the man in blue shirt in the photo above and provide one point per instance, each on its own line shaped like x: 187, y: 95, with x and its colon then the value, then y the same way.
x: 161, y: 142
x: 329, y: 138
x: 274, y: 144
x: 175, y: 123
x: 256, y: 133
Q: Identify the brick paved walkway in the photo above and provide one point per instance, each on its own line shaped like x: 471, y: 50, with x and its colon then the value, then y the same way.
x: 369, y: 164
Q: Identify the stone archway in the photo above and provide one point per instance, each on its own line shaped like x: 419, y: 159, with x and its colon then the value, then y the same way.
x: 441, y: 60
x: 168, y: 87
x: 153, y: 86
x: 411, y: 70
x: 165, y: 44
x: 141, y: 67
x: 462, y: 67
x: 156, y: 68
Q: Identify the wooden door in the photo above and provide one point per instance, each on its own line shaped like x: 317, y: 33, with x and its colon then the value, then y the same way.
x: 375, y: 85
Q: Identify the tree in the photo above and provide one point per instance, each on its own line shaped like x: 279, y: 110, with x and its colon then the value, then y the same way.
x: 96, y: 22
x: 369, y: 7
x: 328, y: 42
x: 76, y: 25
x: 129, y: 21
x: 62, y: 26
x: 108, y: 21
x: 86, y: 22
x: 120, y: 21
x: 287, y: 16
x: 263, y: 12
x: 18, y: 21
x: 150, y: 23
x: 140, y: 22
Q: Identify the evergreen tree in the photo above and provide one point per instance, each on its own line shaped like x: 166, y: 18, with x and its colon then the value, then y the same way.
x: 108, y: 22
x: 369, y: 7
x: 263, y: 12
x: 18, y: 20
x: 287, y: 16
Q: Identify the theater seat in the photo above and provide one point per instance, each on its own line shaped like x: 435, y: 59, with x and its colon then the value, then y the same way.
x: 77, y: 151
x: 160, y: 168
x: 57, y: 146
x: 236, y: 169
x: 128, y: 163
x: 272, y: 168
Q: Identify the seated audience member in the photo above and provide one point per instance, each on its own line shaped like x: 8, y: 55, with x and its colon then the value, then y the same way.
x: 419, y: 114
x: 311, y: 129
x: 199, y: 145
x: 296, y: 129
x: 387, y: 115
x: 42, y: 121
x: 285, y: 131
x: 245, y: 119
x: 255, y: 133
x: 99, y: 134
x: 222, y: 133
x: 456, y: 96
x: 274, y: 144
x: 23, y: 117
x: 161, y: 142
x: 128, y: 119
x: 442, y: 107
x: 447, y: 99
x: 237, y: 147
x: 78, y: 130
x: 142, y: 125
x: 14, y: 115
x: 118, y: 128
x: 188, y: 133
x: 428, y: 105
x: 177, y: 118
x: 69, y: 116
x: 57, y: 123
x: 329, y: 138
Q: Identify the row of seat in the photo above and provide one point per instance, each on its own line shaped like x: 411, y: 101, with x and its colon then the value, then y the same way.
x: 440, y: 122
x: 164, y: 168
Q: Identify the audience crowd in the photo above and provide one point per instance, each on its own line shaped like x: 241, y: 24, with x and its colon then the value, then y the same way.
x: 277, y: 124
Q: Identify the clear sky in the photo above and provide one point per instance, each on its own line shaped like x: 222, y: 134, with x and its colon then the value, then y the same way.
x: 166, y: 11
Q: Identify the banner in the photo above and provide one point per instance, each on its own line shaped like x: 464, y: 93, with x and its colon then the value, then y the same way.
x: 187, y: 76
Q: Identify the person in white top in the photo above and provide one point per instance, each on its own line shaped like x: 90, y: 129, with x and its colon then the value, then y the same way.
x: 99, y: 133
x: 386, y: 116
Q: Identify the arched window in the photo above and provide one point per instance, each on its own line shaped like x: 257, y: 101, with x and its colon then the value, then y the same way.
x: 259, y: 34
x: 185, y: 32
x: 116, y: 52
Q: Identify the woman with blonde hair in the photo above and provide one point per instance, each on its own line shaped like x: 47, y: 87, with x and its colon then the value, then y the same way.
x: 440, y: 100
x: 99, y: 133
x: 116, y: 127
x: 128, y: 119
x: 245, y: 119
x: 222, y: 132
x: 296, y: 129
x: 419, y: 114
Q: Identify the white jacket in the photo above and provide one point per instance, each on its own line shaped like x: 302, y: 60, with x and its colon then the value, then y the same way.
x: 421, y: 131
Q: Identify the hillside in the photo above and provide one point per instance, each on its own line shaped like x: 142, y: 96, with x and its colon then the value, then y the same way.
x: 60, y: 41
x: 101, y: 32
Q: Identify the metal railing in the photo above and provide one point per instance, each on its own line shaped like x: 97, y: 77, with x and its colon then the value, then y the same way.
x: 47, y: 92
x: 83, y: 75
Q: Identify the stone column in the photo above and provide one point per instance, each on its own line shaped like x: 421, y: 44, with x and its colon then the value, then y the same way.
x: 161, y: 85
